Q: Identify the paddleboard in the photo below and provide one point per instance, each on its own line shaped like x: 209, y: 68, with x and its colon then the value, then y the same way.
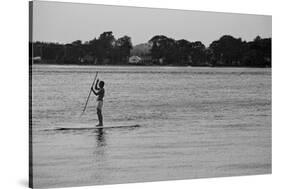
x: 95, y: 127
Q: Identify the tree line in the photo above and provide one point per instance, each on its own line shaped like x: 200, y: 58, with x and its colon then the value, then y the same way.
x: 106, y: 49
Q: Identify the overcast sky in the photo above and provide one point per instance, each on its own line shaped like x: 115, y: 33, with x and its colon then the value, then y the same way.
x: 67, y: 22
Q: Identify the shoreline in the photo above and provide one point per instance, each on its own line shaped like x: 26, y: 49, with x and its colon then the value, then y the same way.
x: 134, y: 65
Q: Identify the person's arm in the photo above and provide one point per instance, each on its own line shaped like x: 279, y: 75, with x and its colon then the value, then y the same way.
x: 96, y: 85
x: 96, y: 93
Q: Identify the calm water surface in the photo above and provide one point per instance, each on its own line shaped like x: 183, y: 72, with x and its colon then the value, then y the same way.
x: 195, y: 122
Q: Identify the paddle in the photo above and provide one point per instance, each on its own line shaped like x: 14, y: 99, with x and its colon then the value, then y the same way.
x: 89, y: 94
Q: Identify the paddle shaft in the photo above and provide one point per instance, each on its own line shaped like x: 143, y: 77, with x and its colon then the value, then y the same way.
x: 90, y: 93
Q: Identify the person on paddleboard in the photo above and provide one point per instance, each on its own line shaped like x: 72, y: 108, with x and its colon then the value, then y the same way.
x: 99, y: 92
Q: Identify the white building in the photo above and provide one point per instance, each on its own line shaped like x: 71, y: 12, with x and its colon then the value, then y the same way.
x: 134, y: 60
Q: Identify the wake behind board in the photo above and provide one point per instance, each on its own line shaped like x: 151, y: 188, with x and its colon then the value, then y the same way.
x: 95, y: 127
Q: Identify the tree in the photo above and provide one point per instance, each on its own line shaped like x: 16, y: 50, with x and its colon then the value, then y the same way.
x: 163, y: 49
x: 198, y: 53
x: 257, y: 53
x: 184, y: 49
x: 105, y: 46
x: 227, y: 51
x: 77, y: 43
x: 123, y: 46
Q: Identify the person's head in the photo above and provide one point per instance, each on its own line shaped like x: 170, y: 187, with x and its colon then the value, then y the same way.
x: 101, y: 84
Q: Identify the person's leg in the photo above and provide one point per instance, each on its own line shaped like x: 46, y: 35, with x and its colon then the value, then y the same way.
x: 100, y: 117
x: 99, y: 112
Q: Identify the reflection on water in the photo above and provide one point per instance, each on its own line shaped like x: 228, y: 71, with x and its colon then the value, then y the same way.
x: 100, y: 137
x: 99, y: 155
x: 195, y: 122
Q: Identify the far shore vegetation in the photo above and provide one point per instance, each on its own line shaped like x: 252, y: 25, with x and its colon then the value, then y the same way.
x: 160, y: 50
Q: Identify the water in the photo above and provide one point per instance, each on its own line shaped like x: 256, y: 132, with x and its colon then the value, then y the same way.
x: 195, y: 123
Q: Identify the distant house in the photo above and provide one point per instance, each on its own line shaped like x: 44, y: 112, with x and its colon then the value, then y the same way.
x: 36, y: 59
x: 142, y: 51
x: 134, y: 60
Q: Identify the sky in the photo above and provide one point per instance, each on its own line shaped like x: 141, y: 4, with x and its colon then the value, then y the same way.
x: 66, y: 22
